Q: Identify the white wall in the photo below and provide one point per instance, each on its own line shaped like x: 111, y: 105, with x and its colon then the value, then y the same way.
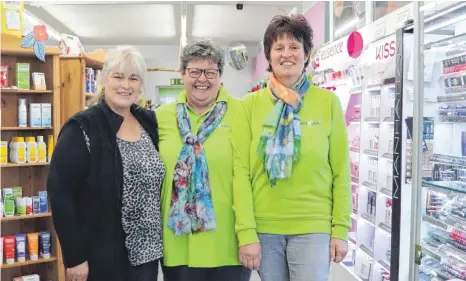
x: 236, y: 82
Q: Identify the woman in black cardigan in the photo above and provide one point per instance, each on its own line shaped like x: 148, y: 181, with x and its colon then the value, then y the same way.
x: 105, y: 178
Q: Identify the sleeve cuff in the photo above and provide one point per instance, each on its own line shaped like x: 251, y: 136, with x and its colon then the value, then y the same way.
x: 340, y: 232
x: 247, y: 236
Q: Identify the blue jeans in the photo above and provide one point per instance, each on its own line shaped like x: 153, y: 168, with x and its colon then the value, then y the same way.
x: 295, y: 257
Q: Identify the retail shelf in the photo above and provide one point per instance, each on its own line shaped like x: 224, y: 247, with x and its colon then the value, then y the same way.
x: 448, y: 160
x: 373, y: 120
x: 385, y: 228
x: 388, y: 156
x: 355, y: 90
x: 14, y: 165
x: 452, y: 97
x: 25, y: 217
x: 374, y: 88
x: 370, y: 185
x: 384, y: 265
x: 369, y: 219
x: 386, y: 192
x: 350, y: 269
x: 29, y: 262
x: 446, y: 186
x: 367, y: 251
x: 354, y: 149
x: 448, y: 223
x: 25, y: 128
x: 433, y: 253
x: 28, y: 92
x: 434, y: 221
x: 453, y: 119
x: 389, y: 119
x: 371, y: 152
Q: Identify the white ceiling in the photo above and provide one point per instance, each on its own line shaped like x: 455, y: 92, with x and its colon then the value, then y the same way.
x: 159, y: 23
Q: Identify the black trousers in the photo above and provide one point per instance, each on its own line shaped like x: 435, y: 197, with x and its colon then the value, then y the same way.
x: 144, y: 272
x: 224, y: 273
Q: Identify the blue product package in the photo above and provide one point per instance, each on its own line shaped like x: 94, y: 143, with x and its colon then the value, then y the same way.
x: 43, y: 204
x: 463, y: 143
x: 44, y: 244
x: 35, y: 205
x: 21, y: 247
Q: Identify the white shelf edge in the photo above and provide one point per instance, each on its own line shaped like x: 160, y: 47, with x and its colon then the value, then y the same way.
x: 350, y: 270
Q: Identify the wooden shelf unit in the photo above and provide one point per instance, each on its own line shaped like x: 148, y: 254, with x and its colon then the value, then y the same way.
x: 73, y: 81
x: 26, y: 217
x: 25, y: 128
x: 31, y: 177
x: 29, y: 92
x: 29, y: 262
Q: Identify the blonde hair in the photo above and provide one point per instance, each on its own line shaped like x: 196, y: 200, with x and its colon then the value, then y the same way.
x: 120, y: 57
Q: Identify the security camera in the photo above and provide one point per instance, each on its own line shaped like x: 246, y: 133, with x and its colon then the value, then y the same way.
x: 239, y: 6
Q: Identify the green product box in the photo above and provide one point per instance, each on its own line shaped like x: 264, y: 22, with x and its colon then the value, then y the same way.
x: 17, y: 192
x: 23, y: 74
x: 8, y: 202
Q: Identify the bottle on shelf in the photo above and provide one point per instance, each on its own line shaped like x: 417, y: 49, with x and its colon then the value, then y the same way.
x: 42, y: 149
x: 50, y: 145
x: 22, y: 113
x: 31, y: 150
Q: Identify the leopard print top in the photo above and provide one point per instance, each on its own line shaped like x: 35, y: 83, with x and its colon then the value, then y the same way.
x: 143, y: 173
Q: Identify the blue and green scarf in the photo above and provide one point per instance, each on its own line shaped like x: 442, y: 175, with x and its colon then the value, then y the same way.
x: 280, y: 142
x: 191, y: 208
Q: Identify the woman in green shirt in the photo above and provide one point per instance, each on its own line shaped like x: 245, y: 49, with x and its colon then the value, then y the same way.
x: 292, y: 179
x: 197, y: 195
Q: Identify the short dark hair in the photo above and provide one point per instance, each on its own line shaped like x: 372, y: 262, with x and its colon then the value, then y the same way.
x: 295, y: 26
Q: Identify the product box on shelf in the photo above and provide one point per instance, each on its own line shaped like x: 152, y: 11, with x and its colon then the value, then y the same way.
x: 23, y: 75
x: 4, y: 76
x: 33, y: 277
x: 38, y: 81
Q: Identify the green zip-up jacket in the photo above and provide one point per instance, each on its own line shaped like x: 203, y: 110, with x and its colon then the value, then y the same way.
x: 205, y: 249
x: 317, y: 196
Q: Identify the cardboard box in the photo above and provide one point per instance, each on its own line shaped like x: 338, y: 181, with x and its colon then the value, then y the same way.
x: 46, y: 114
x: 23, y: 72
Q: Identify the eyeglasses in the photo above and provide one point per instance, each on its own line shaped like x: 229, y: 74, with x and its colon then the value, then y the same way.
x: 197, y: 72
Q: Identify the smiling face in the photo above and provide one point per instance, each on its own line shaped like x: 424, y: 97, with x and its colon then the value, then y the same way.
x: 202, y: 82
x: 122, y: 87
x: 287, y: 58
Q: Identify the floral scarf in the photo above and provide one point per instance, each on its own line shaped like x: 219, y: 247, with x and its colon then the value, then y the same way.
x: 280, y: 142
x: 191, y: 208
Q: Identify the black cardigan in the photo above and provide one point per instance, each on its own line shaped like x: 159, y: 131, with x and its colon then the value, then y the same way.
x: 85, y: 188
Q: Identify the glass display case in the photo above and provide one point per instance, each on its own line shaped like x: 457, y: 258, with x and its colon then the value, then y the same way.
x: 433, y: 151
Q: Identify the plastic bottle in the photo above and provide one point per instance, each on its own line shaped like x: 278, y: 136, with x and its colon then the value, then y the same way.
x: 31, y: 150
x: 13, y: 148
x: 3, y: 152
x: 42, y: 150
x: 21, y: 151
x: 22, y: 113
x: 50, y: 146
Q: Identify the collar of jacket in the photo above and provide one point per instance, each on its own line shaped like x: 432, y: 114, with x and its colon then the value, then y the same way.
x: 114, y: 119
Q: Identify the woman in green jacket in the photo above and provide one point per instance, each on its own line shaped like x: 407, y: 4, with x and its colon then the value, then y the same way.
x: 197, y: 195
x: 292, y: 179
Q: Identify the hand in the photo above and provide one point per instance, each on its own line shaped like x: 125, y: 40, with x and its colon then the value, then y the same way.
x: 78, y: 273
x: 338, y: 250
x: 250, y: 256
